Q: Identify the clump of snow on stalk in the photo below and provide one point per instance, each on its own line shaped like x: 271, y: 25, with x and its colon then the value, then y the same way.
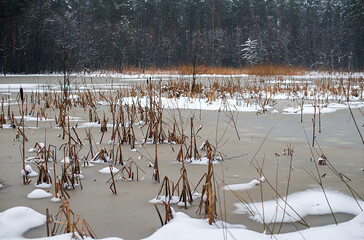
x: 29, y: 171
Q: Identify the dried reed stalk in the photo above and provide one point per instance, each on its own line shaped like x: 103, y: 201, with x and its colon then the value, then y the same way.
x: 72, y: 223
x: 208, y: 203
x: 112, y: 186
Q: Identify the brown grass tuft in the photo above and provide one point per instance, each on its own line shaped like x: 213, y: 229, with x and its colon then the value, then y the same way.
x: 187, y: 69
x: 271, y: 70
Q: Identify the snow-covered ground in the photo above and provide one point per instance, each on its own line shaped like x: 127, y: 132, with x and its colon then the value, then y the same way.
x: 197, y: 104
x: 245, y: 101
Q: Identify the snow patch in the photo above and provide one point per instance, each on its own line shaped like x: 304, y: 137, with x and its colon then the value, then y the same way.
x: 106, y: 170
x: 309, y: 202
x: 14, y: 222
x: 183, y: 227
x: 244, y: 186
x: 202, y: 161
x: 55, y: 199
x: 43, y: 185
x: 39, y: 193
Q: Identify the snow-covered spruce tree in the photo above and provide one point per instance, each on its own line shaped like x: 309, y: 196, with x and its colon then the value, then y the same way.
x: 249, y: 51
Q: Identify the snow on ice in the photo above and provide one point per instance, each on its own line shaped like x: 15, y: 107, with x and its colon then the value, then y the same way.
x: 309, y: 202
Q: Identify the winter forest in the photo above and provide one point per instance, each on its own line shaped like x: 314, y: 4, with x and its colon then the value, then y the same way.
x: 40, y: 36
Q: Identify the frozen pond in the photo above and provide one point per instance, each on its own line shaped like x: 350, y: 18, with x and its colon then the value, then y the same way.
x: 263, y: 140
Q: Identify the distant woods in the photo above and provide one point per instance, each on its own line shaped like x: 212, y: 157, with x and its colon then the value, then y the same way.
x: 39, y: 36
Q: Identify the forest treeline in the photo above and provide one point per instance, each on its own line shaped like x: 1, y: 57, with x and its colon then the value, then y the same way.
x: 40, y: 36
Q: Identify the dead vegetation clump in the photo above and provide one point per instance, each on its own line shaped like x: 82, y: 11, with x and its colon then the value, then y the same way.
x: 102, y: 156
x: 168, y: 213
x: 66, y: 221
x: 185, y: 193
x: 129, y: 171
x: 208, y: 194
x: 191, y: 69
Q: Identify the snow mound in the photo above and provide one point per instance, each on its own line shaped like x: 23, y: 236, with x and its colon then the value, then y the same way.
x: 107, y: 170
x: 39, y: 193
x: 14, y: 222
x: 43, y: 185
x: 55, y: 199
x: 202, y: 161
x: 244, y: 186
x: 309, y: 202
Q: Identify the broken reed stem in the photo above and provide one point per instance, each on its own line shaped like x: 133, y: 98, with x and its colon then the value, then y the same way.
x: 302, y: 110
x: 261, y: 145
x: 319, y: 119
x: 356, y: 125
x: 102, y: 136
x: 112, y: 186
x: 323, y: 190
x: 78, y: 139
x: 314, y: 125
x: 159, y: 214
x: 191, y: 138
x: 303, y: 222
x: 156, y: 169
x: 287, y: 189
x: 47, y: 221
x: 23, y: 138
